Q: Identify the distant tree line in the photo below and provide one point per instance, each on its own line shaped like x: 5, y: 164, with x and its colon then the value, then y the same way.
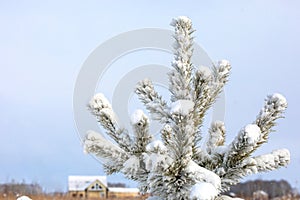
x: 20, y: 188
x: 121, y: 185
x: 272, y: 188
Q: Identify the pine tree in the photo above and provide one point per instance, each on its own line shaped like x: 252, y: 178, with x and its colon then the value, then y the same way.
x: 176, y: 166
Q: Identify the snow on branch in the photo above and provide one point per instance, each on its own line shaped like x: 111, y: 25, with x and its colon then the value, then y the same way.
x: 182, y: 107
x: 200, y: 174
x: 202, y: 89
x: 203, y: 190
x: 183, y: 127
x: 242, y: 145
x: 180, y: 77
x: 273, y: 109
x: 263, y: 163
x: 152, y: 100
x: 207, y: 86
x: 232, y: 176
x: 216, y: 136
x: 167, y: 134
x: 220, y: 76
x: 207, y: 183
x: 101, y: 108
x: 110, y: 154
x: 140, y: 123
x: 278, y: 158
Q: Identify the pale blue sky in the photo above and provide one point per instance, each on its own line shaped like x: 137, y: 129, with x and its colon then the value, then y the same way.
x: 43, y: 45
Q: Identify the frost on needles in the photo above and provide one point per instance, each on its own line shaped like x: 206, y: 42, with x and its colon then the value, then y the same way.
x: 175, y: 166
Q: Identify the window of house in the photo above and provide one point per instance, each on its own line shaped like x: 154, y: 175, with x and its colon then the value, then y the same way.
x: 97, y: 187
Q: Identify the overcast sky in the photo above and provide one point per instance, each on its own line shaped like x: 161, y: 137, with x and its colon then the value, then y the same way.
x: 44, y: 44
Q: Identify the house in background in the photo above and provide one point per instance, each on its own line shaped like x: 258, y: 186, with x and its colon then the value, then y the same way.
x: 96, y: 187
x: 88, y: 186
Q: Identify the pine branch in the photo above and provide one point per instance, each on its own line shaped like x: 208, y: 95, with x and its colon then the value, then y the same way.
x: 201, y: 174
x: 167, y: 134
x: 201, y: 157
x: 268, y: 162
x: 274, y: 107
x: 242, y: 146
x: 157, y: 162
x: 202, y: 90
x: 180, y: 77
x: 134, y: 168
x: 204, y: 181
x: 233, y: 175
x: 101, y: 108
x: 220, y: 77
x: 140, y: 123
x: 207, y: 87
x: 216, y: 136
x: 272, y: 161
x: 174, y: 143
x: 152, y: 100
x: 111, y: 155
x: 211, y: 154
x: 157, y: 158
x: 181, y: 148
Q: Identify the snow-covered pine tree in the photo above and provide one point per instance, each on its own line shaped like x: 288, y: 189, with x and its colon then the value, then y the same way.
x: 175, y: 166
